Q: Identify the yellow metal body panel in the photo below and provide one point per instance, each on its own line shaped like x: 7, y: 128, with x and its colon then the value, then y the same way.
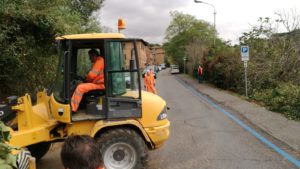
x: 57, y: 107
x: 32, y: 116
x: 152, y: 106
x: 92, y: 36
x: 159, y: 134
x: 157, y: 130
x: 103, y: 124
x: 23, y: 138
x: 34, y: 122
x: 81, y: 127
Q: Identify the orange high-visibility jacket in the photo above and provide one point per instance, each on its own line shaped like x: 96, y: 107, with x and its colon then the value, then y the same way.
x: 152, y: 76
x: 149, y: 83
x: 148, y: 80
x: 96, y: 74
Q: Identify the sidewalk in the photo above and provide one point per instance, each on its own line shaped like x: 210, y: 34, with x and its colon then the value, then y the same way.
x: 275, y: 124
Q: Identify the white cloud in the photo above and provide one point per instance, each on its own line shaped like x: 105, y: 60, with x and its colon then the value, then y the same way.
x: 149, y: 19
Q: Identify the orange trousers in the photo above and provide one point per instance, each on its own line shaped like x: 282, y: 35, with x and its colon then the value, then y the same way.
x: 150, y: 88
x: 80, y: 90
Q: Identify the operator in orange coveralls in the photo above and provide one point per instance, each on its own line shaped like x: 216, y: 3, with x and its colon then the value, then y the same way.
x: 94, y: 79
x: 149, y: 82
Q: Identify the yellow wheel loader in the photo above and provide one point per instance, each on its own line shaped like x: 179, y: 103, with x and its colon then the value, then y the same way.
x: 125, y: 121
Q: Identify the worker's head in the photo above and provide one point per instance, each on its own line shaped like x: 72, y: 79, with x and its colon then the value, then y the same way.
x: 81, y: 151
x: 93, y: 53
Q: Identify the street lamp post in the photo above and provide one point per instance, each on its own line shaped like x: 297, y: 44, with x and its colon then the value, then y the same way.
x: 215, y: 13
x: 184, y: 60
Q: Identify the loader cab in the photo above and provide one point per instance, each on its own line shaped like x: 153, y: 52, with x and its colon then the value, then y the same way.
x: 121, y: 97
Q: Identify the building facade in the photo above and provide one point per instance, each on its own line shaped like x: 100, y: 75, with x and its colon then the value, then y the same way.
x: 148, y: 55
x: 142, y: 52
x: 158, y: 55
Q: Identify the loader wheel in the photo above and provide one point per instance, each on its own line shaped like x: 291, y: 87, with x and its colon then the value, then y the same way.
x: 39, y: 150
x: 122, y: 148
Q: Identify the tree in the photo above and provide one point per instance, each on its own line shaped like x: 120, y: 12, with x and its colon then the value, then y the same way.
x: 27, y: 32
x: 183, y: 30
x: 290, y: 20
x: 179, y: 24
x: 273, y: 54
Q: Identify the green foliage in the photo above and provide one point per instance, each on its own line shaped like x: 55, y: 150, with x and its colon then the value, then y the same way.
x: 284, y: 98
x: 27, y: 30
x: 273, y: 71
x: 225, y: 69
x: 274, y: 66
x: 272, y: 55
x: 183, y: 30
x: 7, y: 160
x: 179, y: 24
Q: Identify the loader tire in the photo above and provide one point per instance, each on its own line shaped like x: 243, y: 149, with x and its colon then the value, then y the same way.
x: 39, y: 150
x: 122, y: 148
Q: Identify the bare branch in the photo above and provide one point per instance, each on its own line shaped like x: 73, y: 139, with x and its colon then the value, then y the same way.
x: 290, y: 20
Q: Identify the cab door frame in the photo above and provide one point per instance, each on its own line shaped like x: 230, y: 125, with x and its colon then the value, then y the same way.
x: 118, y: 106
x: 60, y: 108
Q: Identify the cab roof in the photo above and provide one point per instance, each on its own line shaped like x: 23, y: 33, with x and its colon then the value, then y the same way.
x: 92, y: 36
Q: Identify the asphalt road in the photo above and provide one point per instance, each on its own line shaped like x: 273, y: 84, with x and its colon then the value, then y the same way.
x: 204, y: 138
x: 201, y: 137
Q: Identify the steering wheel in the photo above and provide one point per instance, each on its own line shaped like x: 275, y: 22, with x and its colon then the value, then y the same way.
x: 73, y: 84
x: 77, y: 79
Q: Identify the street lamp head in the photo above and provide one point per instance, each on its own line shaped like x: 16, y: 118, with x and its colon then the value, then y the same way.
x: 196, y: 1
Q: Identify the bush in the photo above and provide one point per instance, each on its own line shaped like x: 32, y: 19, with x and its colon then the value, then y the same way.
x: 7, y: 160
x: 285, y: 98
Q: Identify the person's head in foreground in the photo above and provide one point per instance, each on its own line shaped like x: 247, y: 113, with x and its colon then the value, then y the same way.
x: 81, y: 152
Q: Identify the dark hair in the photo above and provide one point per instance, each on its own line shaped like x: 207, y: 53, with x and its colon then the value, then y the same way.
x: 81, y: 152
x: 93, y: 51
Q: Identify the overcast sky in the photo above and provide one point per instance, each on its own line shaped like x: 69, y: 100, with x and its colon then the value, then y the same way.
x: 148, y: 19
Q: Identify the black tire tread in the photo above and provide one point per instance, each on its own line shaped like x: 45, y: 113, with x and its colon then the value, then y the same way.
x: 119, y: 134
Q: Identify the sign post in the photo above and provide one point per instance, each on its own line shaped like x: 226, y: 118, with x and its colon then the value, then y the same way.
x: 245, y: 59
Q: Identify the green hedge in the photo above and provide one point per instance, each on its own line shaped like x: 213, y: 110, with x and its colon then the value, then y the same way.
x: 285, y: 98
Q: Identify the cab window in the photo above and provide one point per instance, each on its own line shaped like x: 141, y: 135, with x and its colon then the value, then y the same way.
x: 122, y: 72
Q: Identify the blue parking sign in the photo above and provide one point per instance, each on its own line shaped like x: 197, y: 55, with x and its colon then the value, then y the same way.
x: 245, y: 53
x: 245, y: 49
